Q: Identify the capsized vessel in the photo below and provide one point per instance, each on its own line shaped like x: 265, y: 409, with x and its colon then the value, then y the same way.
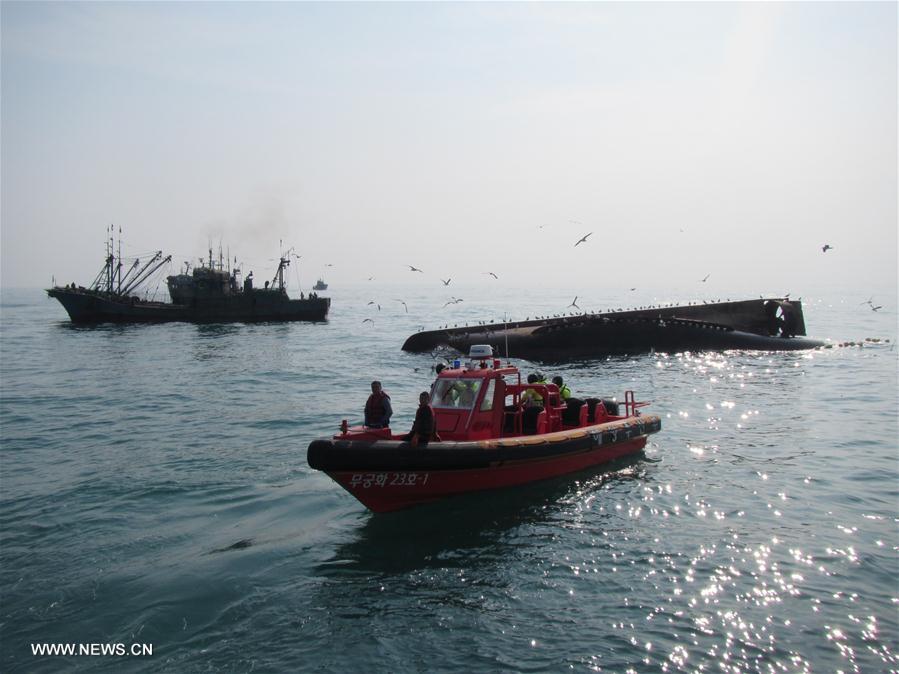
x: 489, y: 438
x: 773, y: 324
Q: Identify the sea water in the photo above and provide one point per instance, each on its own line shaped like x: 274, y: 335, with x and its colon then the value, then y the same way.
x: 154, y: 492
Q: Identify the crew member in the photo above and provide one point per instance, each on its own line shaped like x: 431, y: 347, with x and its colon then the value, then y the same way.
x: 424, y: 429
x: 564, y: 391
x: 377, y: 408
x: 530, y: 398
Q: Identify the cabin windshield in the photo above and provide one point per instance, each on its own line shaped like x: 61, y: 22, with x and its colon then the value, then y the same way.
x: 455, y: 393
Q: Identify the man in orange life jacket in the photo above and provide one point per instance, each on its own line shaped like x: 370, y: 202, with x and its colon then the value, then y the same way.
x: 377, y: 408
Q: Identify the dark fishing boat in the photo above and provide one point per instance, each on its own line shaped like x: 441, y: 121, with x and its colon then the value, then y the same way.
x: 210, y: 294
x: 489, y: 438
x: 320, y: 285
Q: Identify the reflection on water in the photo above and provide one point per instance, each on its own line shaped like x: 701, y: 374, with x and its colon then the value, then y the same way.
x: 469, y: 529
x: 214, y: 330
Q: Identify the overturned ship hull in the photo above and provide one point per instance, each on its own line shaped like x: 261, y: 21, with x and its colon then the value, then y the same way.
x: 90, y: 306
x: 774, y: 324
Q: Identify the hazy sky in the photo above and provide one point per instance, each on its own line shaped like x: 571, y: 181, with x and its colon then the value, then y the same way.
x: 690, y: 139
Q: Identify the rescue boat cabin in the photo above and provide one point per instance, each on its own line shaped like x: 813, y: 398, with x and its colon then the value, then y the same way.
x: 484, y: 399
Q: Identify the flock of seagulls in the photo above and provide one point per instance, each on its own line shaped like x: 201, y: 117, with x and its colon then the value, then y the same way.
x: 453, y: 300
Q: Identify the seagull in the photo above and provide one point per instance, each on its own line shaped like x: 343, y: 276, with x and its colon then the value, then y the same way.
x: 404, y: 304
x: 368, y: 320
x: 411, y: 268
x: 447, y: 282
x: 583, y: 239
x: 879, y: 306
x: 492, y: 274
x: 372, y: 302
x: 868, y: 301
x: 371, y: 278
x: 633, y: 288
x: 703, y: 280
x: 826, y: 247
x: 574, y: 303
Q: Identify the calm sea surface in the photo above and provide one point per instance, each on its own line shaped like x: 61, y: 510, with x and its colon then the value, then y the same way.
x: 154, y: 490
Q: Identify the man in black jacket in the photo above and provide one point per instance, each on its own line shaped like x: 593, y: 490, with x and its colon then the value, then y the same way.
x: 423, y: 428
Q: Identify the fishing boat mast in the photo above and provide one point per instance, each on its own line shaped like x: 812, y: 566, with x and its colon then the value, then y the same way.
x: 279, y: 275
x: 147, y: 270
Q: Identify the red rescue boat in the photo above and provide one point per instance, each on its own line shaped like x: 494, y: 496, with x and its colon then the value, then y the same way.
x: 489, y: 437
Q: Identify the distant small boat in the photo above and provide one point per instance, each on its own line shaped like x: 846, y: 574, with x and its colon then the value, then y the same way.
x: 320, y: 285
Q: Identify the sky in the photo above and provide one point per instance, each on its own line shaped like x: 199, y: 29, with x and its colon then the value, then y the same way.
x: 690, y: 140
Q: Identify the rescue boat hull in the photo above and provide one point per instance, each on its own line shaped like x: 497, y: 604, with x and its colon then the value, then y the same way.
x: 391, y: 475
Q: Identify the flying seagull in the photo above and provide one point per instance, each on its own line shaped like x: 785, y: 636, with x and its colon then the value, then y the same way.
x: 411, y: 268
x: 368, y: 320
x: 703, y: 280
x: 404, y: 304
x: 492, y: 274
x: 879, y: 306
x: 826, y: 247
x: 583, y: 239
x: 447, y: 282
x: 574, y: 303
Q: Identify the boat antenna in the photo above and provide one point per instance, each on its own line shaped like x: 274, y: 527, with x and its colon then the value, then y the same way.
x: 109, y: 258
x: 506, y: 334
x: 119, y: 263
